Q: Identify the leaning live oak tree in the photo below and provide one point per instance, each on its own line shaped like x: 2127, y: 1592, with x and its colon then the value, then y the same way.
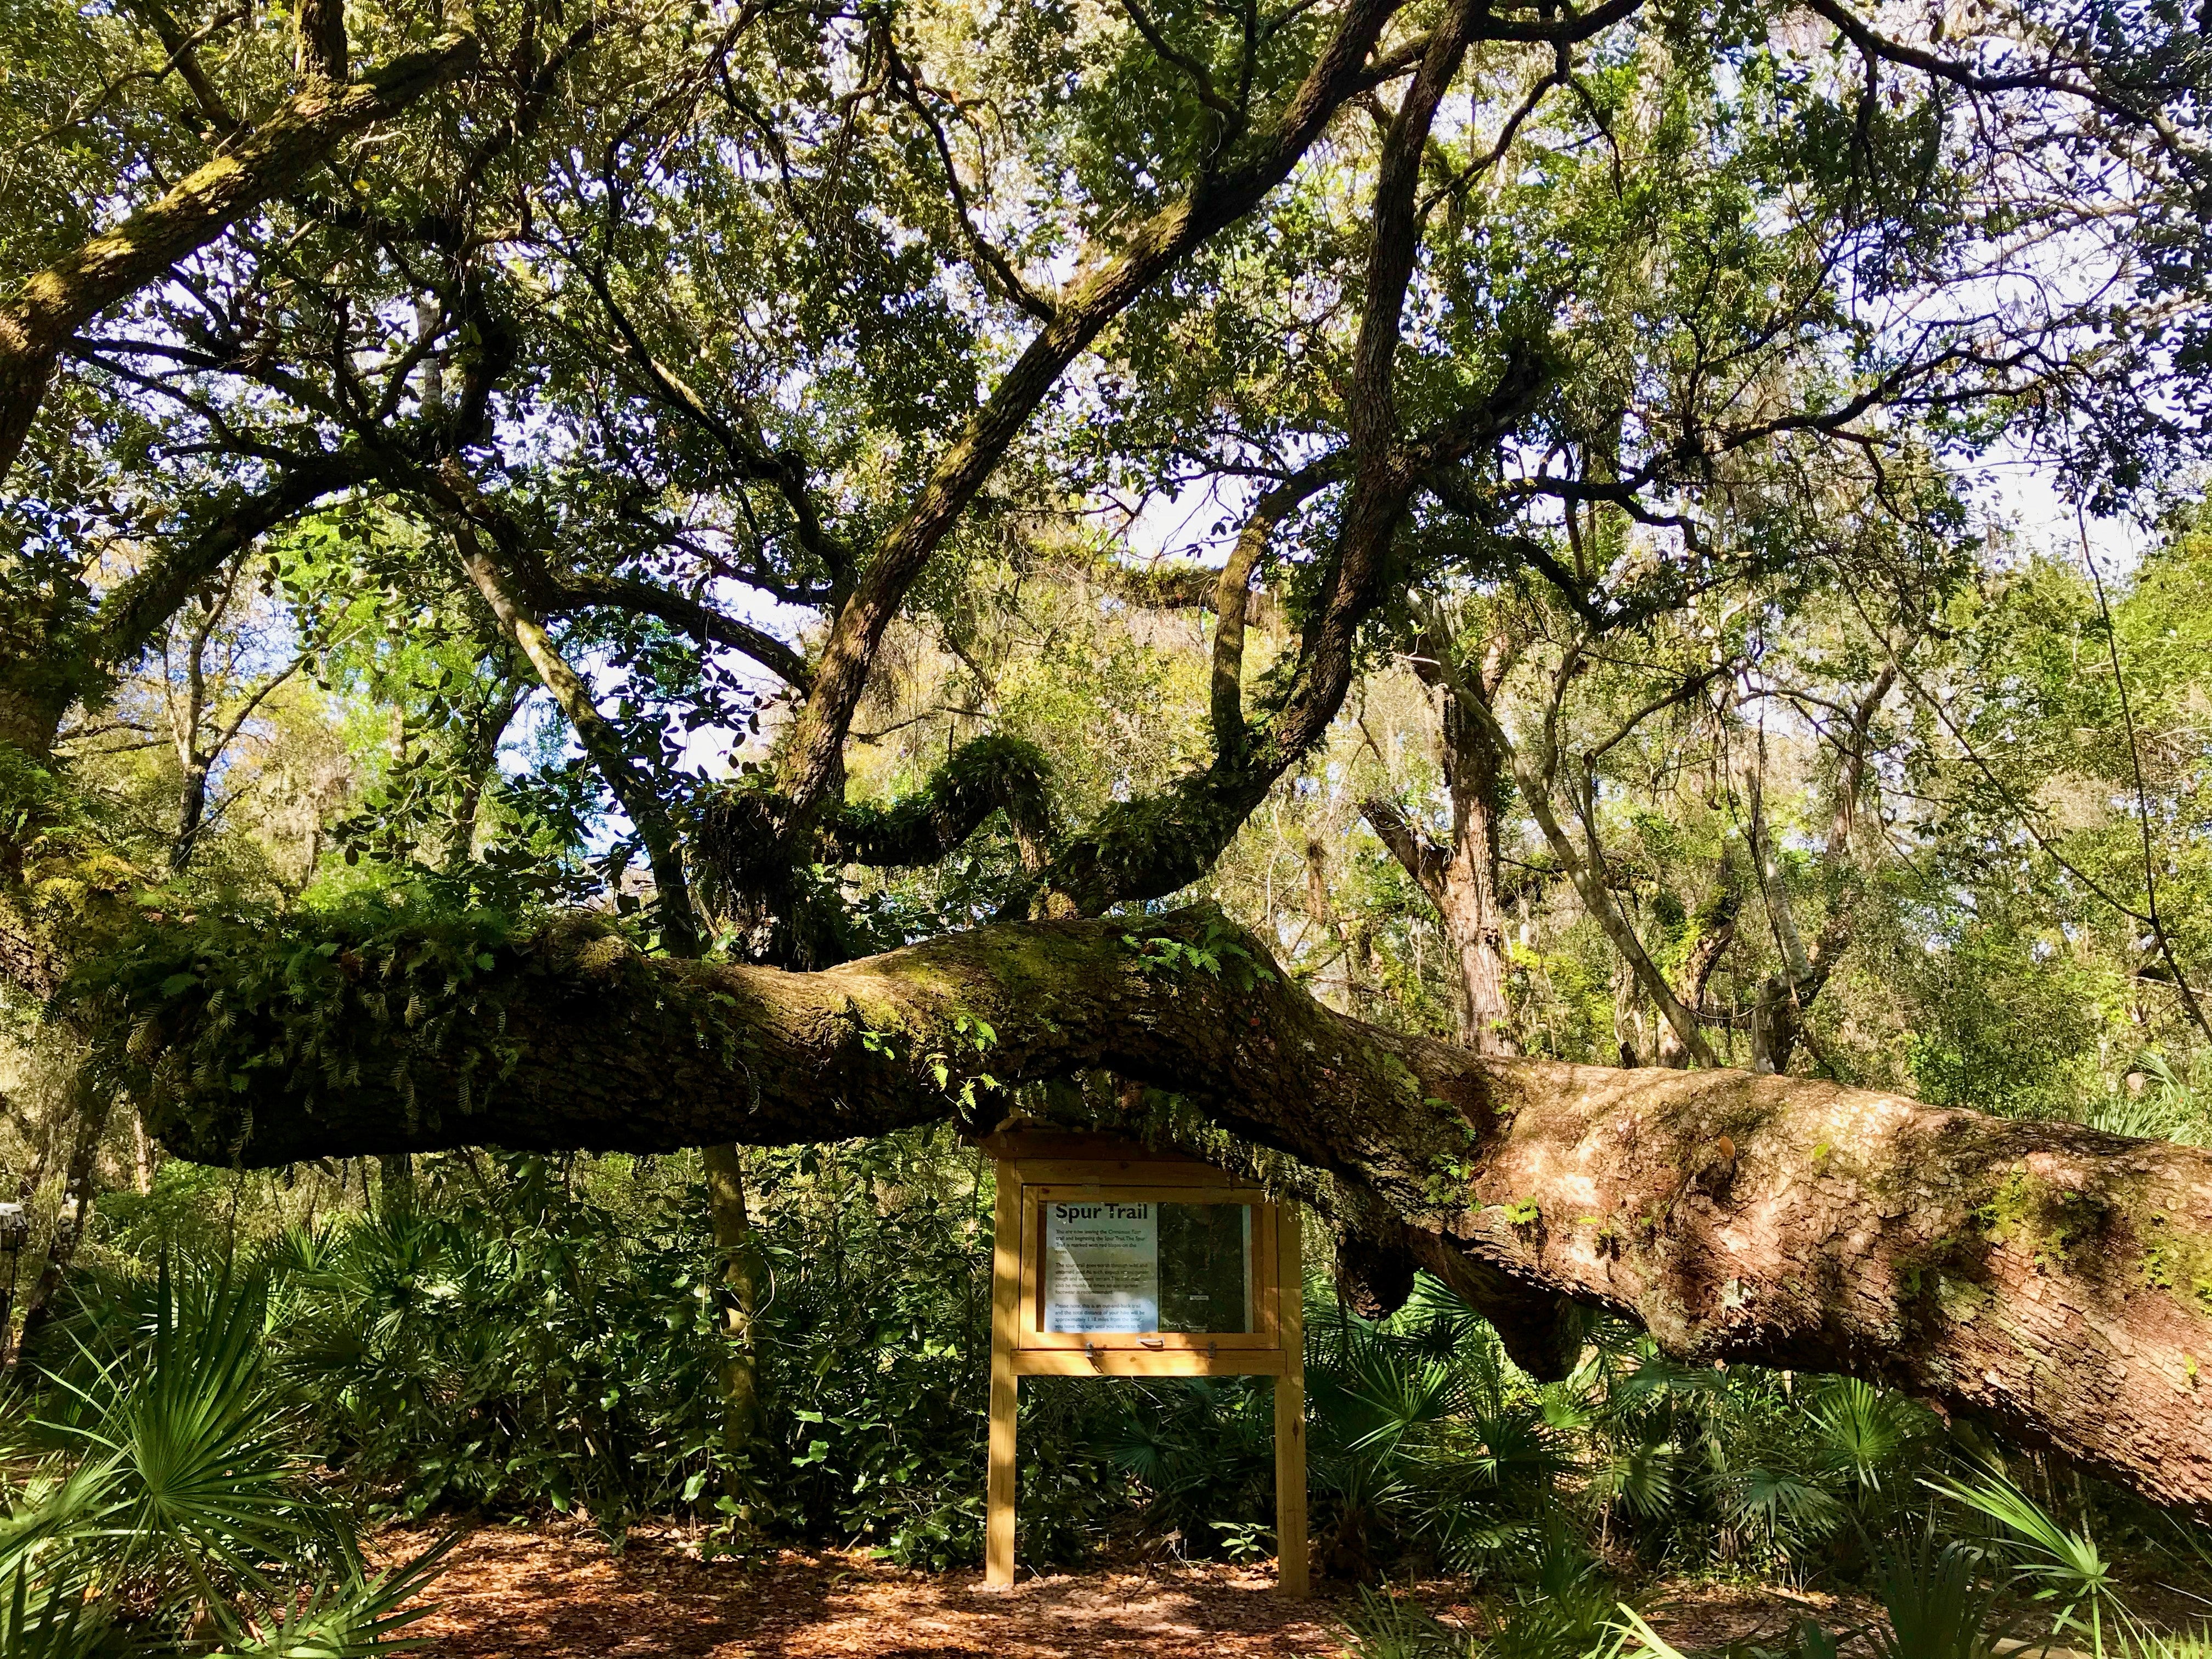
x: 653, y: 364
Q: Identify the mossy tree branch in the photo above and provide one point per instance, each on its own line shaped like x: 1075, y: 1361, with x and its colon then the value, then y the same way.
x: 2049, y: 1278
x: 37, y: 323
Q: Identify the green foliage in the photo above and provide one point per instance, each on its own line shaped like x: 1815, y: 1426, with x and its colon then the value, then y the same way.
x: 2063, y: 1564
x: 166, y: 1499
x: 200, y: 1011
x: 527, y: 1335
x: 1935, y: 1601
x: 1386, y: 1625
x: 1219, y: 952
x: 563, y: 1355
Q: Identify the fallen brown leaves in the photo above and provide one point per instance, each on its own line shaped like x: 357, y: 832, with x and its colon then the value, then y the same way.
x: 545, y: 1594
x: 558, y: 1592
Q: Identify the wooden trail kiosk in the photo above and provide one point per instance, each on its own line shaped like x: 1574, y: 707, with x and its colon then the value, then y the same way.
x: 1112, y: 1259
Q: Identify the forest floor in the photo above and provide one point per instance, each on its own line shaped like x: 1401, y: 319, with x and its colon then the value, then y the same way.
x: 560, y: 1593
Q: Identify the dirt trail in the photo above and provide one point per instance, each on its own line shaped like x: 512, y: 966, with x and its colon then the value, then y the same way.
x: 540, y: 1594
x: 559, y: 1592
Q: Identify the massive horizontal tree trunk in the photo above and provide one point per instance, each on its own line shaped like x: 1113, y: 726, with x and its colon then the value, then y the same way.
x: 2051, y: 1278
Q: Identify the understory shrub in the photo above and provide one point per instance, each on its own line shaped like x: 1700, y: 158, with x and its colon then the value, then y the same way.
x: 156, y: 1500
x: 510, y: 1334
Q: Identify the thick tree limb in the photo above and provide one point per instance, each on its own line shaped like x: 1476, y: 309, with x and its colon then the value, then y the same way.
x: 611, y: 756
x: 2053, y: 1279
x: 810, y: 770
x: 1149, y: 847
x: 116, y: 263
x: 568, y: 593
x: 1232, y: 597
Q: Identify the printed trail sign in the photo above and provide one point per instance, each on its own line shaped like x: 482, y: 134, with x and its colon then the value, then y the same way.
x: 1102, y: 1268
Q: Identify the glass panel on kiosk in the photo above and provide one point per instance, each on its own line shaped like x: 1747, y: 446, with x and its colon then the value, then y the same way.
x: 1136, y: 1268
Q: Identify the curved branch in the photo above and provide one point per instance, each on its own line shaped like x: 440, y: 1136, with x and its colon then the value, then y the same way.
x: 564, y: 595
x: 628, y: 781
x: 996, y: 267
x: 810, y: 770
x: 986, y: 775
x: 1232, y: 595
x: 116, y: 263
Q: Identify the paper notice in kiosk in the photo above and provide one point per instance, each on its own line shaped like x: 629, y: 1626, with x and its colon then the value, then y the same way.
x: 1102, y: 1268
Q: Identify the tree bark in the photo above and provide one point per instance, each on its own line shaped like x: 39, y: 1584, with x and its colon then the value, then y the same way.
x: 2055, y: 1280
x: 742, y: 1273
x: 1473, y: 917
x: 92, y: 1104
x: 1463, y: 882
x: 118, y: 262
x: 1717, y: 926
x: 192, y: 810
x: 142, y: 1157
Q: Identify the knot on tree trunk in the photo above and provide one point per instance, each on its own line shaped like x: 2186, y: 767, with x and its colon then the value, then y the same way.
x: 1374, y: 1278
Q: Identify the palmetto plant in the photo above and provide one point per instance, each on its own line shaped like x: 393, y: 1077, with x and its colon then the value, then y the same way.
x: 1424, y: 1433
x: 1566, y: 1611
x: 2059, y: 1565
x: 1937, y: 1601
x: 158, y: 1507
x: 2170, y: 1104
x: 1742, y: 1464
x: 1388, y: 1626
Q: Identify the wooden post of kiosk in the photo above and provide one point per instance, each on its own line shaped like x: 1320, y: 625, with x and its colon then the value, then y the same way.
x: 999, y: 1487
x: 1037, y: 1169
x: 1291, y: 1408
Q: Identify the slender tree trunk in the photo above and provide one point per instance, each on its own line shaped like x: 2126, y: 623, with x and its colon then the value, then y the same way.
x: 92, y: 1108
x: 1779, y: 1010
x: 1475, y: 918
x: 144, y: 1157
x: 1537, y: 775
x: 1462, y: 881
x: 743, y: 1271
x: 1717, y: 926
x: 12, y: 1240
x: 395, y: 1181
x: 192, y: 809
x: 630, y: 783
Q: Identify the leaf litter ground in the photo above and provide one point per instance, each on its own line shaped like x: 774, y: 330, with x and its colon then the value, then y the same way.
x: 560, y: 1593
